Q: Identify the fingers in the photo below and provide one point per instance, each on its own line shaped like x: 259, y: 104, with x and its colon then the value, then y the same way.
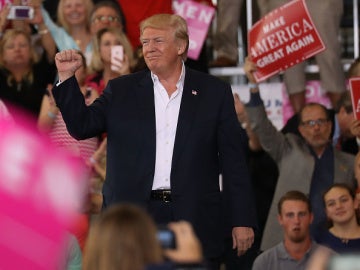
x: 243, y: 238
x: 67, y: 55
x: 244, y: 245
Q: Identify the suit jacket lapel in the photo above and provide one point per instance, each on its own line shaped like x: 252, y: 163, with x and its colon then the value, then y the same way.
x: 191, y: 97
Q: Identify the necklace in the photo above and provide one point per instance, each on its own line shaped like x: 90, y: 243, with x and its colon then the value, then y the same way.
x: 345, y: 241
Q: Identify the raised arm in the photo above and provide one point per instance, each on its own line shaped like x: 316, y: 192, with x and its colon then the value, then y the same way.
x: 271, y: 140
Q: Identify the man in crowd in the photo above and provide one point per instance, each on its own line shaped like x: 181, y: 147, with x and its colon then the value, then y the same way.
x: 294, y: 252
x: 308, y: 163
x: 171, y: 130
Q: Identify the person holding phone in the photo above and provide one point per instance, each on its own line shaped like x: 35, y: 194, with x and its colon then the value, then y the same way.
x: 125, y: 238
x: 112, y: 56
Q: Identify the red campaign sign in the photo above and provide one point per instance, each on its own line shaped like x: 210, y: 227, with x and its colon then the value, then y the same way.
x: 282, y: 38
x: 355, y: 96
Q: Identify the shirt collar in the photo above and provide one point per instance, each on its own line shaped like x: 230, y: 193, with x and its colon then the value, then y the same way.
x: 283, y: 254
x: 179, y: 84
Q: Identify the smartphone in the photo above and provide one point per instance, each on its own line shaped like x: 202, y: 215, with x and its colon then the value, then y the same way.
x: 21, y: 13
x: 166, y: 238
x: 117, y: 52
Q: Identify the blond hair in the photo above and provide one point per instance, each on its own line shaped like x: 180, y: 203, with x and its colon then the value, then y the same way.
x: 9, y: 35
x: 97, y: 64
x: 166, y: 21
x: 61, y: 19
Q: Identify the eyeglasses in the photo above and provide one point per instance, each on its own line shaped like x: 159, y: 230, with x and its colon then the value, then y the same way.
x: 313, y: 123
x: 105, y: 18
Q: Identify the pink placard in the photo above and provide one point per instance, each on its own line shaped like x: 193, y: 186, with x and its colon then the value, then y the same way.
x: 41, y: 190
x: 4, y: 3
x: 198, y: 17
x: 283, y: 38
x: 355, y: 95
x: 313, y: 93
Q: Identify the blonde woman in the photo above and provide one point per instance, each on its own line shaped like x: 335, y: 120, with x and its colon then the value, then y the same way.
x: 23, y: 76
x: 101, y: 66
x: 73, y: 28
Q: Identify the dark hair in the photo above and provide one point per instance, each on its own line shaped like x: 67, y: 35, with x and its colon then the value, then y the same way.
x: 339, y: 185
x: 111, y: 4
x: 294, y: 195
x: 344, y: 102
x: 354, y: 69
x: 313, y: 104
x: 351, y: 192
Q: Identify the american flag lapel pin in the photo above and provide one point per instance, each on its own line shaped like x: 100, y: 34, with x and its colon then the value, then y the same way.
x: 194, y: 92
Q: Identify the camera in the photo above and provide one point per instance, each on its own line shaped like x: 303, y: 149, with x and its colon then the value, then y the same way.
x: 166, y: 238
x: 21, y: 13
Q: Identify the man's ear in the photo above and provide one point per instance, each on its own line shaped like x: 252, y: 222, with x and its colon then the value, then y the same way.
x: 181, y: 47
x: 311, y: 217
x: 279, y: 218
x: 301, y: 129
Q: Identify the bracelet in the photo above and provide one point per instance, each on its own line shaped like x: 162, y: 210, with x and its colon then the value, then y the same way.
x: 43, y: 32
x: 253, y: 85
x: 51, y: 115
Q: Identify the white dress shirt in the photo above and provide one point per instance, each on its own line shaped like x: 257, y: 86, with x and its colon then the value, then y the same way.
x: 166, y: 115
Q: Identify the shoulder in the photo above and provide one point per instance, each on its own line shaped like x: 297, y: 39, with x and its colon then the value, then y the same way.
x: 268, y: 259
x: 343, y: 157
x: 204, y: 78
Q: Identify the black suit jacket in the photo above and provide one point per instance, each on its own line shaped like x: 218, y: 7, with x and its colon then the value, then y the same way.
x: 207, y: 141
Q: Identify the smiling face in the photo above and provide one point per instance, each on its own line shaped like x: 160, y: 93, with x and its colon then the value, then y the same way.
x: 16, y: 52
x: 340, y: 207
x: 162, y: 51
x: 295, y: 219
x: 74, y: 12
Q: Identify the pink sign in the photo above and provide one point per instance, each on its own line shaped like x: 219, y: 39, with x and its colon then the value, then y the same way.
x: 4, y: 3
x: 313, y: 93
x: 198, y: 17
x: 284, y: 37
x: 355, y: 95
x: 41, y: 189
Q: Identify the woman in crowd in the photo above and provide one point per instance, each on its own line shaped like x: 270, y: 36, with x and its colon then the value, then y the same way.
x: 344, y: 233
x: 101, y: 66
x: 73, y: 29
x: 125, y: 238
x: 23, y: 76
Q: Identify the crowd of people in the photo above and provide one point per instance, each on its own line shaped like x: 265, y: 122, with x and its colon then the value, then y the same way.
x: 162, y: 142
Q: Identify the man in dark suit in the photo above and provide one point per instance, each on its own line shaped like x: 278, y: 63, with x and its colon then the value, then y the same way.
x: 170, y: 131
